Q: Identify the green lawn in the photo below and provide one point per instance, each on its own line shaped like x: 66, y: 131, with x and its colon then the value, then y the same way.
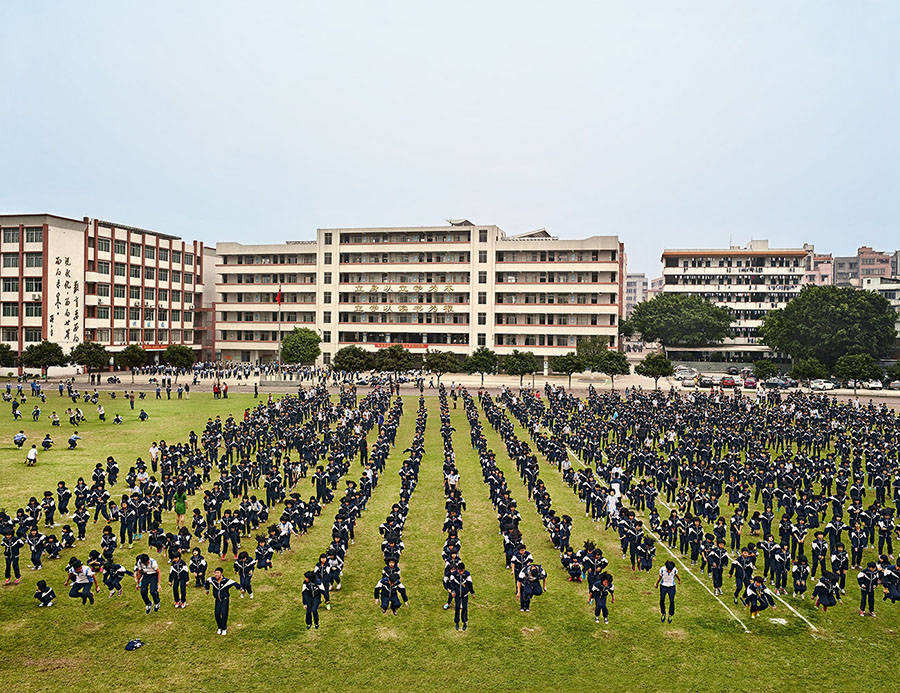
x: 556, y: 646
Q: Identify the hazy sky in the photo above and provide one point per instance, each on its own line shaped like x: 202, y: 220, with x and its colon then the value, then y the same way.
x: 668, y: 123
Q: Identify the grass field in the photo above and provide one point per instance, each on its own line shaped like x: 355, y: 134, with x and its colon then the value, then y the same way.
x: 556, y: 646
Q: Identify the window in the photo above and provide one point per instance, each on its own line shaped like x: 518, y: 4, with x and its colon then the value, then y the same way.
x: 135, y: 250
x: 134, y: 313
x: 327, y: 258
x: 119, y: 247
x: 482, y: 339
x: 326, y: 297
x: 176, y: 257
x: 482, y: 256
x: 119, y: 269
x: 118, y: 312
x: 163, y: 275
x: 327, y: 278
x: 134, y: 271
x: 134, y: 292
x: 10, y: 260
x: 326, y: 336
x: 482, y: 277
x: 149, y: 293
x: 149, y: 272
x: 326, y: 316
x: 162, y: 295
x: 189, y: 258
x: 176, y: 316
x: 176, y: 296
x: 164, y: 254
x: 327, y: 238
x: 149, y: 313
x: 32, y: 334
x: 119, y: 291
x: 103, y: 289
x: 162, y: 314
x: 10, y: 235
x: 103, y: 312
x: 11, y: 284
x: 10, y: 334
x: 188, y: 278
x: 34, y: 234
x: 482, y: 235
x: 34, y: 310
x: 176, y: 277
x: 103, y: 266
x: 482, y: 298
x: 103, y: 245
x: 482, y: 318
x: 149, y: 253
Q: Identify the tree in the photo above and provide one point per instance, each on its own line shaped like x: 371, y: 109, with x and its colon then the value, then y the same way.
x: 482, y: 361
x: 857, y: 367
x: 131, y: 357
x: 43, y: 355
x: 394, y: 358
x: 7, y: 356
x: 440, y: 362
x: 764, y: 369
x: 520, y: 363
x: 808, y: 369
x: 178, y: 356
x: 591, y: 351
x: 827, y: 322
x: 568, y: 364
x: 655, y: 366
x: 893, y: 372
x: 353, y: 359
x: 684, y: 320
x: 300, y: 346
x: 614, y: 363
x: 93, y: 356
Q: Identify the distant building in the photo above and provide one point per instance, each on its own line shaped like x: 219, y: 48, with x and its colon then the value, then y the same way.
x: 656, y: 287
x: 635, y: 291
x: 820, y: 270
x: 889, y: 287
x: 850, y: 270
x: 750, y: 281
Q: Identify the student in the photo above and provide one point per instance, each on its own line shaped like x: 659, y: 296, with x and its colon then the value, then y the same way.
x: 531, y: 581
x: 83, y: 579
x: 36, y: 542
x: 146, y: 578
x: 12, y: 544
x: 800, y: 573
x: 668, y: 576
x: 868, y: 580
x: 44, y: 594
x: 759, y: 598
x: 243, y: 568
x: 220, y: 585
x: 602, y: 588
x: 461, y: 587
x: 311, y: 594
x: 827, y: 593
x: 388, y: 593
x: 113, y: 574
x: 198, y: 567
x: 179, y: 576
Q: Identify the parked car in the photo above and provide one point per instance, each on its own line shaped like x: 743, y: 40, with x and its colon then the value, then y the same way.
x: 733, y: 370
x: 821, y: 385
x: 894, y: 385
x: 775, y: 383
x: 790, y: 382
x: 727, y: 381
x: 874, y: 385
x: 705, y: 381
x: 853, y: 384
x: 750, y: 382
x: 687, y: 382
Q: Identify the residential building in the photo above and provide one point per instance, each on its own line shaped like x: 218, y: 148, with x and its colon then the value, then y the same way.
x: 452, y: 288
x: 850, y: 270
x: 635, y: 291
x: 819, y: 270
x: 750, y: 280
x: 889, y: 287
x: 70, y: 280
x: 656, y: 287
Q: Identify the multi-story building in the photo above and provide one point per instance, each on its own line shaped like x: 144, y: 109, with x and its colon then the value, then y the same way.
x: 750, y: 281
x: 895, y: 264
x: 819, y: 270
x: 451, y: 288
x: 656, y: 287
x: 69, y: 280
x: 635, y: 291
x: 889, y: 287
x: 851, y: 270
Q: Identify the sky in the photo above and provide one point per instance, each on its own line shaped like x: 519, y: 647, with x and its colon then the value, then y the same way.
x: 669, y: 124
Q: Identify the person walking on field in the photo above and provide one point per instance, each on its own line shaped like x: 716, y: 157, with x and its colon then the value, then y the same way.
x: 668, y: 575
x: 180, y: 499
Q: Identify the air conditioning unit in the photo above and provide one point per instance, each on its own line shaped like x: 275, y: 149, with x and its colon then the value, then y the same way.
x: 36, y: 297
x: 101, y: 302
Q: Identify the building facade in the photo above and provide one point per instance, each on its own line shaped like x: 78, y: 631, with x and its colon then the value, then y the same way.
x: 853, y: 269
x: 820, y: 270
x: 69, y: 280
x: 451, y: 288
x: 889, y: 287
x: 635, y: 291
x: 750, y: 280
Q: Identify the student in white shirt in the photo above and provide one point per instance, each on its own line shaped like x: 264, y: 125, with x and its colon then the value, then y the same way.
x: 668, y: 576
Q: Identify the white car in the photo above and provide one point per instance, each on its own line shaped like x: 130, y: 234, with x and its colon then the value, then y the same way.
x: 821, y: 385
x: 874, y: 385
x: 894, y: 385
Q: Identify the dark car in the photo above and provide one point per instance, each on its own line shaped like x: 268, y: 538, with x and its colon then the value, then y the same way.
x: 705, y: 381
x: 775, y: 384
x: 733, y: 370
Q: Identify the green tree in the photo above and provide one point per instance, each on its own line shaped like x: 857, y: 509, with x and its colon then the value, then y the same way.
x: 482, y: 361
x: 520, y: 363
x: 591, y: 351
x: 827, y: 322
x: 567, y: 364
x: 614, y: 363
x: 394, y: 358
x: 655, y: 366
x: 440, y: 362
x: 301, y: 345
x: 353, y: 359
x: 764, y: 369
x: 857, y: 367
x: 7, y: 356
x: 93, y: 356
x: 178, y: 356
x: 893, y: 371
x: 808, y: 369
x: 131, y: 357
x: 43, y: 355
x: 683, y: 320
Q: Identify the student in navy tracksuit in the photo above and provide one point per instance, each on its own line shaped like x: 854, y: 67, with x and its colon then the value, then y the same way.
x: 146, y: 578
x: 220, y: 586
x: 600, y: 589
x: 868, y: 580
x: 44, y: 594
x: 311, y: 593
x: 388, y: 593
x: 11, y: 547
x: 243, y: 568
x: 198, y: 567
x: 179, y: 575
x: 460, y: 586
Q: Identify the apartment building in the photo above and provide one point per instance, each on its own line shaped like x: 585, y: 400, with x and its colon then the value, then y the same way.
x: 656, y: 287
x: 635, y: 291
x: 750, y: 280
x: 853, y: 269
x: 889, y: 287
x: 819, y: 270
x: 452, y: 288
x: 73, y: 280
